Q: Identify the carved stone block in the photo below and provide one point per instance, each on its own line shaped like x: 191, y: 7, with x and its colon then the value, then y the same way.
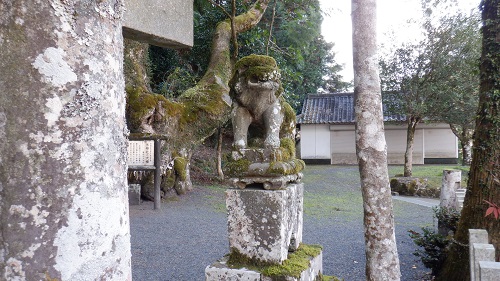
x: 264, y: 225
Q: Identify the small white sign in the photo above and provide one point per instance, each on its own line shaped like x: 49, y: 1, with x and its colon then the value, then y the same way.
x: 141, y: 153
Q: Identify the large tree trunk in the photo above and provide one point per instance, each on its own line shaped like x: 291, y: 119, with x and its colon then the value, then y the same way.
x: 484, y: 180
x: 410, y: 140
x: 382, y: 262
x: 200, y: 110
x: 63, y: 188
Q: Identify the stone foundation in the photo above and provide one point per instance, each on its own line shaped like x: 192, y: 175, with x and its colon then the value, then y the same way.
x: 265, y: 224
x: 220, y: 271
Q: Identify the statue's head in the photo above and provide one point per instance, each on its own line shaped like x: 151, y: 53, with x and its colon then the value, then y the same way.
x: 256, y: 73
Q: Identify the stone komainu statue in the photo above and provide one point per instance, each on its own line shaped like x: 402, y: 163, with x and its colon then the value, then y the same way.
x: 256, y: 90
x: 263, y: 126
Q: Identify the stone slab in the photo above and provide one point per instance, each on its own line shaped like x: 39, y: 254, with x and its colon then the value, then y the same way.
x: 265, y: 224
x: 163, y: 23
x: 482, y: 252
x: 134, y: 194
x: 475, y: 236
x: 269, y: 183
x: 450, y: 183
x: 219, y: 271
x: 489, y: 271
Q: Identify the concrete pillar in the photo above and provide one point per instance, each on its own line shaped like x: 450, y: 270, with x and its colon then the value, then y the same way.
x: 475, y: 236
x: 450, y: 184
x: 63, y: 186
x: 489, y: 271
x: 482, y: 252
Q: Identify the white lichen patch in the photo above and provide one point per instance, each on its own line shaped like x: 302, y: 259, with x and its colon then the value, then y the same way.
x: 54, y: 69
x: 31, y: 251
x: 54, y: 106
x: 14, y: 270
x: 95, y: 240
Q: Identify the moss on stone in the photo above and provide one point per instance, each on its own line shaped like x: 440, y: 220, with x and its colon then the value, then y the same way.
x: 288, y: 148
x: 237, y: 167
x: 261, y: 67
x: 328, y: 278
x: 180, y: 167
x: 256, y: 60
x: 296, y: 263
x: 289, y: 119
x: 291, y: 167
x: 139, y: 103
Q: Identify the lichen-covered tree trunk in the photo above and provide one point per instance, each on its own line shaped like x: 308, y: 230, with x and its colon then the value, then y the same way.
x: 410, y: 141
x: 382, y: 262
x: 200, y: 110
x: 484, y: 179
x: 63, y: 187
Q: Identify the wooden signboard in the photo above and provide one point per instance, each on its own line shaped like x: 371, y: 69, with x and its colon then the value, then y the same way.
x: 141, y: 153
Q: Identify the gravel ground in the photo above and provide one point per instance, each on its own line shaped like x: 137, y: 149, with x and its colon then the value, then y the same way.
x: 178, y: 242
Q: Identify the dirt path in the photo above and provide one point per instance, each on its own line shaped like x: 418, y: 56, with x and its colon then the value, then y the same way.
x: 177, y: 243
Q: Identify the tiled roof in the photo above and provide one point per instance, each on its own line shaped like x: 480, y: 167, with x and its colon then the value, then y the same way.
x: 334, y: 109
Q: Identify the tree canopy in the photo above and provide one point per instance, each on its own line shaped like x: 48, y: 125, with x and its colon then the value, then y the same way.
x: 436, y: 78
x: 289, y: 31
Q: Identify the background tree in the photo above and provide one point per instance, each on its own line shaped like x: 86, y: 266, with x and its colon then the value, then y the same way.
x: 435, y: 78
x: 458, y: 94
x: 484, y: 177
x: 382, y: 262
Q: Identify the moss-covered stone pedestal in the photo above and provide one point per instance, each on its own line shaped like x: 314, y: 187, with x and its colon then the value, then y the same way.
x: 306, y: 264
x: 265, y: 231
x: 271, y: 168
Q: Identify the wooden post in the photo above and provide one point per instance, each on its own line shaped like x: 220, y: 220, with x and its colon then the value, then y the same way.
x: 157, y: 179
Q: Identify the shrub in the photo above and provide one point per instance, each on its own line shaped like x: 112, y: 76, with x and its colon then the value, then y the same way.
x: 433, y: 245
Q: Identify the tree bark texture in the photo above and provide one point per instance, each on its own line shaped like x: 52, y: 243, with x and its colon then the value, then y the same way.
x: 484, y: 177
x: 63, y: 188
x: 410, y: 140
x: 200, y: 110
x: 382, y: 261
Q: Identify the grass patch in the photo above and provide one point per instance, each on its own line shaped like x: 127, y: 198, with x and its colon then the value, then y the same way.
x: 216, y: 197
x: 327, y: 205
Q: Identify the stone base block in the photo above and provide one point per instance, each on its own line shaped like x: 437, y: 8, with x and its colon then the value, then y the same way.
x: 265, y: 224
x: 134, y: 194
x: 269, y: 183
x: 219, y: 271
x: 489, y: 271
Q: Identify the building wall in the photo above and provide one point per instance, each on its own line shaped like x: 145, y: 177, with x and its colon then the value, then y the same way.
x: 395, y: 137
x: 343, y: 144
x: 433, y: 143
x: 440, y: 142
x: 315, y: 142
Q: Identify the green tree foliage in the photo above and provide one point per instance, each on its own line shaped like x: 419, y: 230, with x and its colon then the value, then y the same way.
x: 437, y: 77
x: 290, y: 34
x: 484, y: 178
